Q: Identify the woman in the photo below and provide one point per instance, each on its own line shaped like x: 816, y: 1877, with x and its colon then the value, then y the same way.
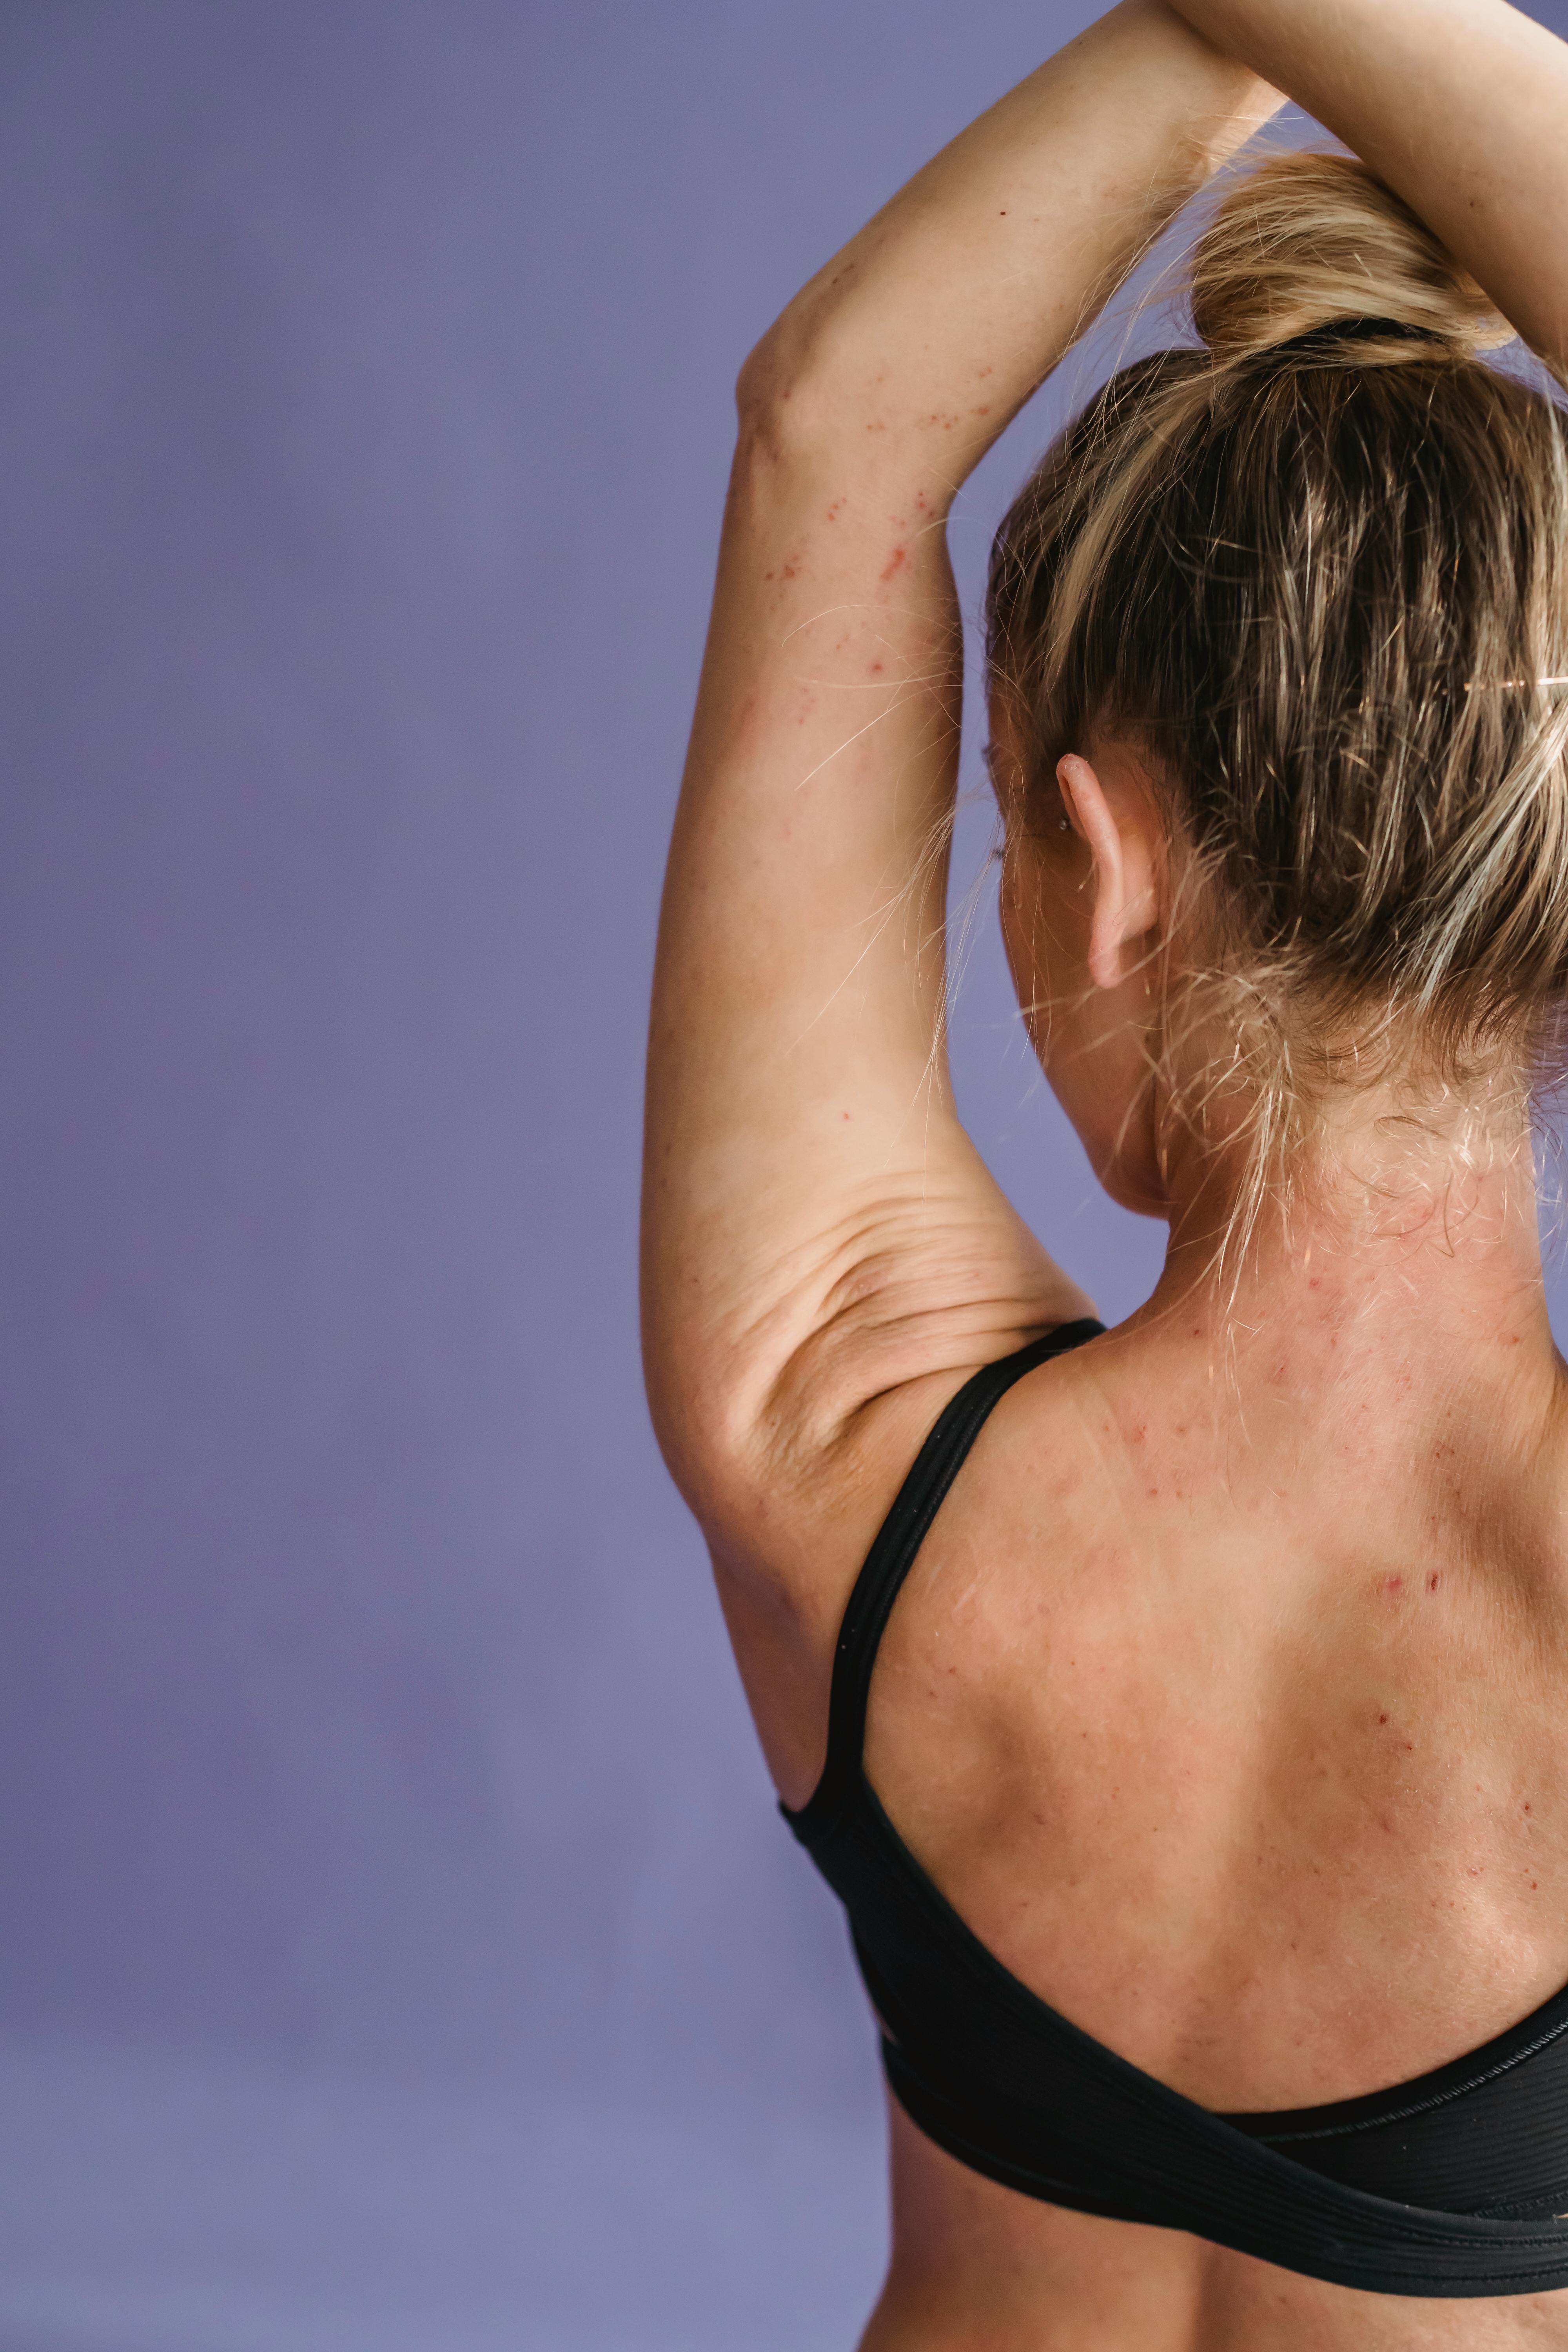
x: 1203, y: 1825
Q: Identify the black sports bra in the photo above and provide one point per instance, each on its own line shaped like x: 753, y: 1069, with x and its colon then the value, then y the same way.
x: 1445, y: 2186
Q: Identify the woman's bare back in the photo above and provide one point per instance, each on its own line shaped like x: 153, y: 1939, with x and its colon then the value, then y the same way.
x: 1232, y: 1716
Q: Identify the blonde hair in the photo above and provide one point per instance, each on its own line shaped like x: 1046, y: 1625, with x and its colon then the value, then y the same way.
x: 1325, y: 588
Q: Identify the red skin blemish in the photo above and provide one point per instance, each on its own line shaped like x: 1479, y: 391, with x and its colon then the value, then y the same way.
x: 1393, y: 1584
x: 876, y: 670
x: 1432, y: 1582
x: 894, y: 562
x: 788, y: 571
x: 1382, y: 1718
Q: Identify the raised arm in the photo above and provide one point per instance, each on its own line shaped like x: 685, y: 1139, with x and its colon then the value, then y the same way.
x: 1461, y: 106
x: 823, y: 1253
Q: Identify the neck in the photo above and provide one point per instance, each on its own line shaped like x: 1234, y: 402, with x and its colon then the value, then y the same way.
x: 1396, y: 1237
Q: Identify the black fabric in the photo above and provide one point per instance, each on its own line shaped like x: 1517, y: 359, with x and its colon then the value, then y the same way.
x: 1445, y: 2186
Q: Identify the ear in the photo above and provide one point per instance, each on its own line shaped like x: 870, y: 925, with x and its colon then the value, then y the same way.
x: 1116, y: 817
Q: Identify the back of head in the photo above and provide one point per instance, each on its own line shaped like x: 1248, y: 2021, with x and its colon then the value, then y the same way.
x: 1321, y: 578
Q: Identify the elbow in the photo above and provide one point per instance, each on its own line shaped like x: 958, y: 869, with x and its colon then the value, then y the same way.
x: 771, y: 405
x: 785, y: 406
x: 763, y: 381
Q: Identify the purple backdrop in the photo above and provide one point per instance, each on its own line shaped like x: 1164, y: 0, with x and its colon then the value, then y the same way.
x: 399, y: 1948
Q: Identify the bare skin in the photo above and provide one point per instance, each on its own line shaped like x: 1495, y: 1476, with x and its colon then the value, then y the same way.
x: 1225, y: 1699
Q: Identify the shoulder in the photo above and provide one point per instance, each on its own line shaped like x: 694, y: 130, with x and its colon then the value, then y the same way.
x: 793, y: 1498
x: 790, y: 1466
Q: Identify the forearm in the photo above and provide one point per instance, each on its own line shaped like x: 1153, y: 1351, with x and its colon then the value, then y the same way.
x: 922, y: 338
x: 1461, y: 106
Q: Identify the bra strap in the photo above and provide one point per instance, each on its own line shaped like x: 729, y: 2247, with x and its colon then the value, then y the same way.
x: 891, y: 1558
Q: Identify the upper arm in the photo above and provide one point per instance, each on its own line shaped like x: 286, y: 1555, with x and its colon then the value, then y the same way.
x: 825, y: 1254
x: 820, y: 1231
